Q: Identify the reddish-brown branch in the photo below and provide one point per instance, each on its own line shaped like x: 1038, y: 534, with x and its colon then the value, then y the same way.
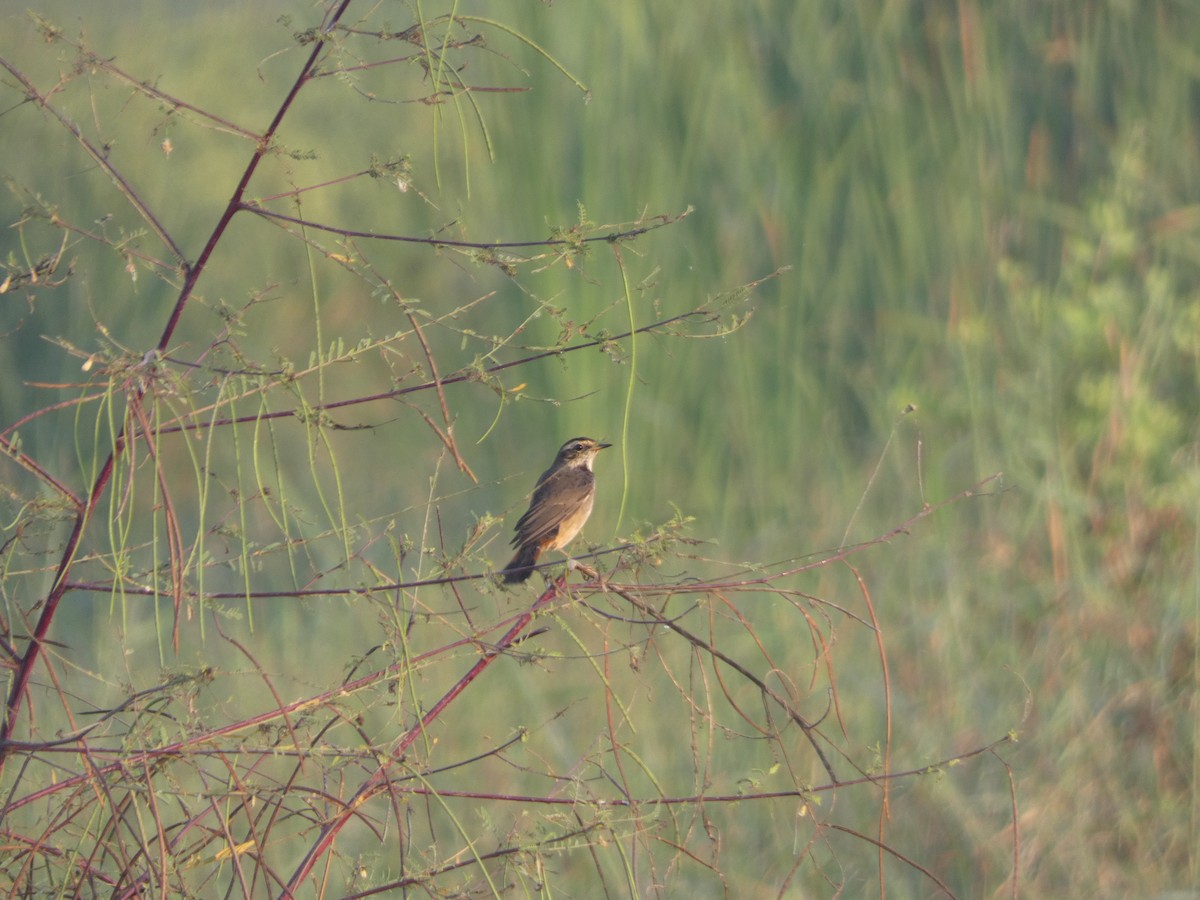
x: 380, y: 779
x: 24, y: 671
x: 656, y: 222
x: 885, y: 807
x: 166, y: 99
x: 29, y: 464
x: 174, y: 536
x: 99, y: 158
x: 429, y: 385
x: 20, y: 679
x: 446, y: 435
x: 1016, y: 825
x: 884, y: 848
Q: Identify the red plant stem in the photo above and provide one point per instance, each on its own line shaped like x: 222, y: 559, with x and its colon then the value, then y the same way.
x: 378, y: 781
x: 25, y: 668
x: 20, y: 681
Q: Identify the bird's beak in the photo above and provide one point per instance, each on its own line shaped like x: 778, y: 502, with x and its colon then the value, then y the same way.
x: 602, y: 446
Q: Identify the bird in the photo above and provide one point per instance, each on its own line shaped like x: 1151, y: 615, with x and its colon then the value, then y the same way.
x: 562, y: 501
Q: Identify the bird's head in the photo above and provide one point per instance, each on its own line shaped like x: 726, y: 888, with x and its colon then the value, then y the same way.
x: 579, y: 451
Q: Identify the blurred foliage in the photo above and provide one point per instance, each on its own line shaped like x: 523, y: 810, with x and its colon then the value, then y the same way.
x: 989, y: 213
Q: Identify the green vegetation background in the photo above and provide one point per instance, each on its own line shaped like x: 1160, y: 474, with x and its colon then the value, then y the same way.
x: 991, y: 211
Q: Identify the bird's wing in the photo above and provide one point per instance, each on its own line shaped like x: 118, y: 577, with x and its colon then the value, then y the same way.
x: 555, y: 500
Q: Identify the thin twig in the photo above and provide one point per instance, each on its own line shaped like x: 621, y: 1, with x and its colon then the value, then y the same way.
x: 446, y: 435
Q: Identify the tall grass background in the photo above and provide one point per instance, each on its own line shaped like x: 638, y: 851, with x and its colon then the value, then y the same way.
x: 987, y: 216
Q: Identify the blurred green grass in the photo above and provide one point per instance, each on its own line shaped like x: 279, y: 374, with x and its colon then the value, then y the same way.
x: 989, y: 213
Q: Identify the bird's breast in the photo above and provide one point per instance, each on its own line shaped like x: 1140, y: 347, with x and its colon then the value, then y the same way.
x: 573, y: 522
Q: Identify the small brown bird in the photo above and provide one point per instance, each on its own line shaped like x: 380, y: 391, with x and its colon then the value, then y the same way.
x: 562, y: 502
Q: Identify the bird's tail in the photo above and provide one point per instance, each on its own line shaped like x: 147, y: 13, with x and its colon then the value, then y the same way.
x: 520, y: 566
